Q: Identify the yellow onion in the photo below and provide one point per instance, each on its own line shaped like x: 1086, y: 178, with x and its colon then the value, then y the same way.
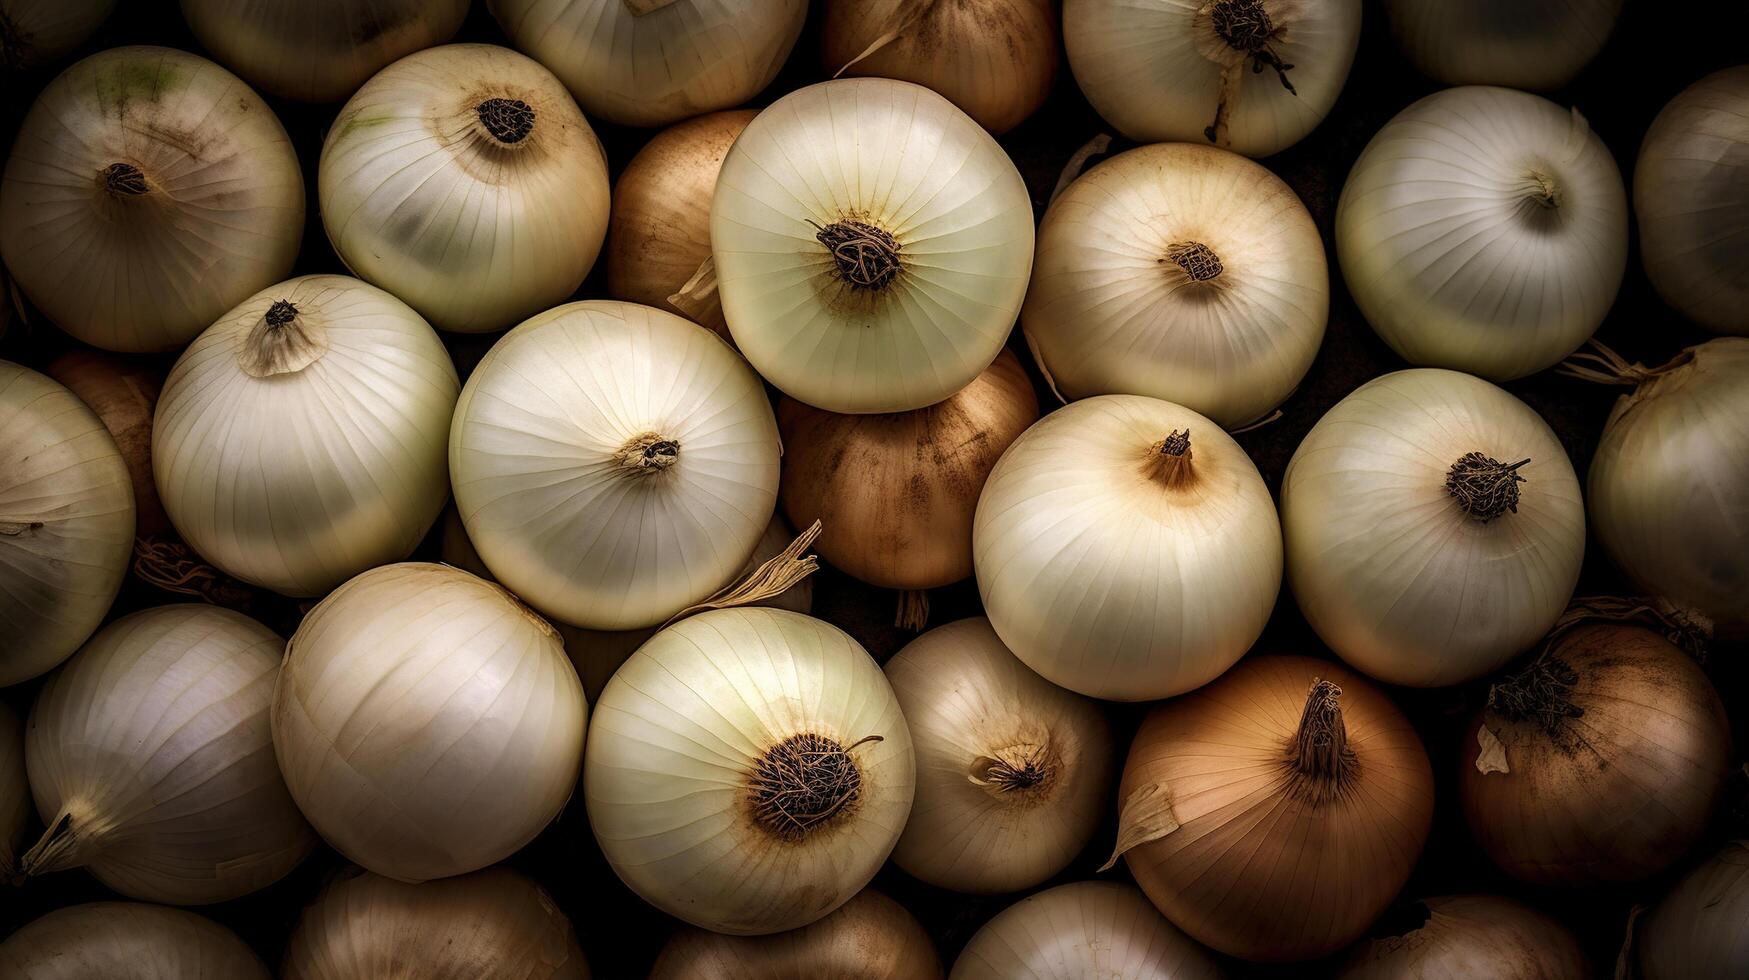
x: 14, y: 792
x: 870, y: 937
x: 1082, y: 930
x: 1466, y: 936
x: 1530, y: 44
x: 124, y: 394
x: 1699, y: 928
x: 127, y: 941
x: 35, y: 32
x: 1275, y: 813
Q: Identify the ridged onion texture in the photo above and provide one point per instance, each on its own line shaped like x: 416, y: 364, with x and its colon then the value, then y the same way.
x: 1530, y: 44
x: 1181, y: 272
x: 1434, y: 527
x: 1127, y: 549
x: 124, y: 394
x: 152, y: 763
x: 36, y: 32
x: 127, y: 941
x: 1484, y: 230
x: 748, y: 770
x: 872, y: 245
x: 14, y: 792
x: 613, y: 464
x: 654, y: 62
x: 66, y: 522
x: 403, y: 695
x: 300, y: 440
x: 148, y: 192
x: 492, y: 923
x: 464, y: 180
x: 1463, y: 936
x: 1084, y: 929
x: 1275, y: 813
x: 1251, y: 76
x: 870, y: 937
x: 1701, y: 928
x: 1601, y: 760
x: 318, y: 50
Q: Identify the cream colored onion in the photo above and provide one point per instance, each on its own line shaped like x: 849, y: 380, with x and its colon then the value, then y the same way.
x: 427, y: 723
x: 1701, y: 927
x: 653, y: 62
x: 300, y: 440
x: 1467, y: 936
x: 152, y: 764
x: 1182, y: 272
x: 464, y: 180
x: 124, y: 394
x: 748, y: 770
x: 14, y: 792
x: 35, y: 32
x: 1484, y: 230
x: 1127, y: 549
x: 1529, y: 44
x: 872, y: 245
x: 1194, y: 71
x: 148, y: 192
x: 1085, y: 929
x: 66, y: 522
x: 870, y: 937
x: 1406, y: 580
x: 127, y: 941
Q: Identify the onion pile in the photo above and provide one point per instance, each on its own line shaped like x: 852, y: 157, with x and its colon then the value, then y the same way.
x: 36, y: 32
x: 1086, y: 929
x: 1528, y: 44
x: 1466, y: 936
x: 127, y: 940
x: 14, y: 792
x: 1698, y: 929
x: 870, y: 937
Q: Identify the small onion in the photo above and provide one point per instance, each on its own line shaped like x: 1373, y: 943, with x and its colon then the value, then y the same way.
x: 1082, y: 930
x: 127, y: 941
x: 1701, y: 928
x: 1467, y: 936
x: 148, y: 192
x: 1599, y: 761
x: 1252, y: 76
x: 872, y: 245
x: 124, y: 394
x: 152, y: 763
x: 428, y: 724
x: 464, y: 180
x: 14, y: 792
x: 870, y: 937
x: 36, y: 32
x: 1180, y: 272
x: 1275, y: 813
x: 1530, y: 44
x: 1434, y: 527
x: 748, y: 770
x: 1127, y: 549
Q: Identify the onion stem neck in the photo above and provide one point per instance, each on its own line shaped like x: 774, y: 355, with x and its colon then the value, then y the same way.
x: 509, y: 121
x: 1171, y: 458
x: 59, y: 848
x: 803, y: 782
x: 1545, y: 192
x: 649, y: 453
x: 1198, y: 261
x: 1319, y: 751
x: 124, y: 180
x: 1483, y: 486
x: 1541, y: 693
x: 867, y: 257
x: 1246, y: 27
x: 1019, y: 769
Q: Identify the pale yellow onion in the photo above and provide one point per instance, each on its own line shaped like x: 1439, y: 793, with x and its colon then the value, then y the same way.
x: 464, y: 180
x: 148, y: 192
x: 1182, y: 272
x: 427, y: 723
x: 1529, y: 44
x: 14, y: 792
x: 653, y: 62
x: 684, y: 771
x: 1081, y: 930
x: 1407, y: 582
x: 152, y: 764
x: 1196, y: 71
x: 66, y: 522
x: 1127, y: 549
x: 870, y: 937
x: 35, y: 32
x: 300, y: 440
x: 901, y: 162
x: 127, y: 941
x: 1013, y: 772
x: 1700, y: 929
x: 1462, y: 936
x: 1484, y: 230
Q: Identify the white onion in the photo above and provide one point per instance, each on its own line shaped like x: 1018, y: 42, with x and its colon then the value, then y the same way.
x: 35, y: 32
x: 148, y: 191
x: 1398, y: 575
x: 653, y: 62
x: 428, y: 724
x: 14, y: 792
x: 1484, y: 230
x: 945, y: 231
x: 1531, y: 44
x: 748, y: 770
x: 1181, y: 272
x: 1701, y: 928
x: 1127, y: 549
x: 1083, y: 930
x: 870, y: 937
x: 464, y: 180
x: 127, y: 941
x: 1194, y: 70
x: 1466, y: 936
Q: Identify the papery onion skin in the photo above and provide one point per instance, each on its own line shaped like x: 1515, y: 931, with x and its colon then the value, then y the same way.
x: 919, y: 314
x: 1698, y: 928
x: 35, y: 32
x: 1625, y: 780
x: 1084, y: 929
x: 402, y: 695
x: 681, y: 736
x: 14, y: 792
x: 870, y: 937
x: 148, y: 192
x: 127, y: 941
x: 124, y: 395
x: 1527, y: 44
x: 1470, y: 936
x: 66, y: 522
x: 1389, y: 568
x: 1118, y: 305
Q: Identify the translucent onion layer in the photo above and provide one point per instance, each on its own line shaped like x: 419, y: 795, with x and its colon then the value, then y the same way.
x: 1085, y: 929
x: 127, y: 940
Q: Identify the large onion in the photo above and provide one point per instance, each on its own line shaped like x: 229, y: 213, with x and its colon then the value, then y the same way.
x: 124, y: 394
x: 127, y: 941
x: 870, y: 937
x: 35, y: 32
x: 14, y: 792
x: 748, y: 770
x: 1127, y: 549
x: 148, y: 192
x: 872, y: 245
x: 428, y: 724
x: 1467, y: 936
x: 1182, y: 272
x: 1434, y: 527
x: 1532, y: 44
x: 1086, y: 929
x: 1701, y: 928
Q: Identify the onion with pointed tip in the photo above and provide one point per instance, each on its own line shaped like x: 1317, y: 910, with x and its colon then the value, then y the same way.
x: 1085, y: 929
x: 1466, y: 936
x: 870, y: 937
x: 127, y: 941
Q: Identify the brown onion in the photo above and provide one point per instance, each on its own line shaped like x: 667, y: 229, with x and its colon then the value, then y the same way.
x: 123, y: 393
x: 869, y: 937
x: 1466, y: 936
x: 1701, y: 928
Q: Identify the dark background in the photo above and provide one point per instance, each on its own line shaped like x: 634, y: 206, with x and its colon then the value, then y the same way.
x: 1657, y: 49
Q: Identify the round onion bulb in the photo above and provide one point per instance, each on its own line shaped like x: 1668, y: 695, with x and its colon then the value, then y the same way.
x: 1530, y: 44
x: 1084, y: 929
x: 1701, y: 928
x: 403, y: 695
x: 748, y: 770
x: 300, y: 440
x: 127, y: 941
x: 870, y: 937
x: 872, y: 245
x: 148, y: 192
x: 14, y: 792
x: 1434, y: 527
x: 124, y: 394
x: 1484, y: 230
x: 1181, y: 272
x: 464, y: 180
x: 36, y: 32
x: 1466, y: 936
x: 1127, y: 549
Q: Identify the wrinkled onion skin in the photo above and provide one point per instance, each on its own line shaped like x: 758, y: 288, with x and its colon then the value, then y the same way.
x: 870, y: 937
x: 1700, y: 930
x: 128, y: 940
x: 1082, y: 930
x: 124, y: 394
x: 1526, y: 44
x: 1472, y: 936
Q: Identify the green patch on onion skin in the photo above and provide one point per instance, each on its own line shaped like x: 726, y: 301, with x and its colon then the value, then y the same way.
x: 129, y: 80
